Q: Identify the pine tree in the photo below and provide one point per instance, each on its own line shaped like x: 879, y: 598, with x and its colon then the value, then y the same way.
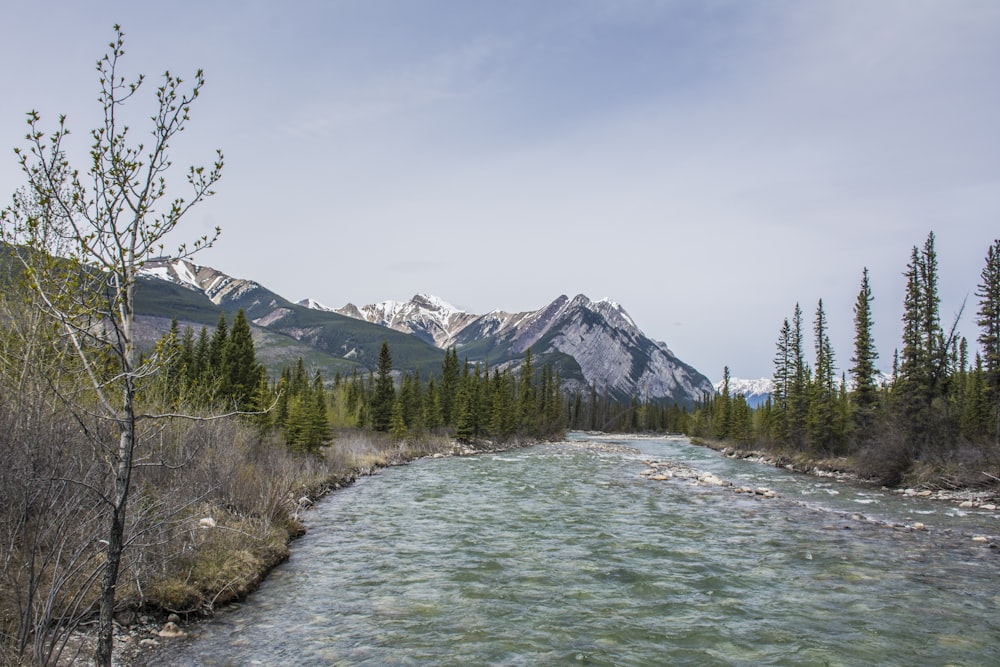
x: 923, y: 360
x: 319, y: 423
x: 449, y: 385
x: 783, y: 376
x: 864, y: 398
x: 239, y: 364
x: 822, y: 410
x: 526, y: 403
x: 798, y: 391
x: 215, y: 370
x: 722, y: 414
x: 989, y: 336
x: 384, y: 393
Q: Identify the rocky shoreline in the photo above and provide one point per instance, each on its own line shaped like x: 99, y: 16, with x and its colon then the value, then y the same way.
x: 966, y: 498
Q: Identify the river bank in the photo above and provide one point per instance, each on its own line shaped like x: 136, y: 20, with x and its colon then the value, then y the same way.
x: 142, y: 629
x: 153, y: 632
x: 567, y: 554
x: 986, y: 498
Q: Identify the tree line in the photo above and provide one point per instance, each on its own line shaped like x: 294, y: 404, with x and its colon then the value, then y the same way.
x: 467, y: 400
x: 937, y: 413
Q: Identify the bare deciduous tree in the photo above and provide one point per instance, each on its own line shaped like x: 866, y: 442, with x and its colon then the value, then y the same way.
x: 82, y: 238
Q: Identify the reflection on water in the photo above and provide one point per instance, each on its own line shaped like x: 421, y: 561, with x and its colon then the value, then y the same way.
x: 566, y: 555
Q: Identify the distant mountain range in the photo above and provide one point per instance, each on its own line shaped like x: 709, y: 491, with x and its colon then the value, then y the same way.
x: 590, y: 343
x: 758, y: 391
x: 755, y: 391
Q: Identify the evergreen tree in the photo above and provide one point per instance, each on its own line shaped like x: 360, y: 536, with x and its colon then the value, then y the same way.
x: 923, y: 362
x: 722, y: 414
x: 449, y: 385
x: 432, y: 405
x: 864, y: 398
x: 821, y: 418
x: 215, y: 368
x: 318, y: 422
x: 989, y: 336
x: 200, y: 373
x: 798, y: 390
x: 384, y: 393
x: 783, y: 379
x: 239, y: 364
x: 526, y: 405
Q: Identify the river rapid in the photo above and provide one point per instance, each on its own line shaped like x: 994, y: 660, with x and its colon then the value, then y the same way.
x: 567, y: 555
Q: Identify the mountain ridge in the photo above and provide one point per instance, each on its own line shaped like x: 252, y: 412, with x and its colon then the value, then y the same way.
x: 593, y: 345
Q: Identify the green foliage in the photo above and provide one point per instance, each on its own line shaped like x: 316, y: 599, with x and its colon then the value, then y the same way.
x: 936, y: 410
x: 385, y: 392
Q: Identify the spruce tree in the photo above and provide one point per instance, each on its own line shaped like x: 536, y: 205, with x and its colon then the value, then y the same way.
x: 239, y: 363
x: 215, y: 370
x: 722, y: 414
x: 989, y: 335
x: 798, y: 391
x: 923, y: 361
x: 526, y: 404
x: 822, y: 408
x: 449, y: 385
x: 783, y: 375
x: 864, y: 398
x: 384, y: 392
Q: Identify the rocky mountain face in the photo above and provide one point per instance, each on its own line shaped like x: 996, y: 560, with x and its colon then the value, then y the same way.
x: 424, y: 316
x: 593, y: 343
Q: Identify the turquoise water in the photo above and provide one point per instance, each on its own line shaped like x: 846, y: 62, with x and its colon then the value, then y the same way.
x: 565, y: 554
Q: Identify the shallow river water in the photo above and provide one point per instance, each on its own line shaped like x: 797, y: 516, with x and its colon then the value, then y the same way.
x: 565, y: 554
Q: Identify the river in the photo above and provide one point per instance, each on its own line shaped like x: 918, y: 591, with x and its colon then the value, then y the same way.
x: 567, y: 555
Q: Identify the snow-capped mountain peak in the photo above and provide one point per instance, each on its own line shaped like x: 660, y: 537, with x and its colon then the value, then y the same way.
x: 756, y: 391
x: 426, y: 316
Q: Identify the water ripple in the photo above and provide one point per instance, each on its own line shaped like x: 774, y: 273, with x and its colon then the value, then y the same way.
x: 566, y: 555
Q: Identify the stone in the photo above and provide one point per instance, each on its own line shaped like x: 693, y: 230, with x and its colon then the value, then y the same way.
x: 967, y: 504
x: 207, y: 522
x: 171, y: 630
x: 982, y: 539
x: 174, y: 618
x: 918, y: 526
x: 988, y: 506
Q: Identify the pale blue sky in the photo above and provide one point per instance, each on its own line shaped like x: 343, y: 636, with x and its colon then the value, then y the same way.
x: 705, y: 164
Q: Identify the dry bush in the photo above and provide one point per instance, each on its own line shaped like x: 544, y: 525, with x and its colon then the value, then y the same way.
x: 50, y: 513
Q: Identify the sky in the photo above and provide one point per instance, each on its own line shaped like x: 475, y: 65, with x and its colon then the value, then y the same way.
x: 706, y: 164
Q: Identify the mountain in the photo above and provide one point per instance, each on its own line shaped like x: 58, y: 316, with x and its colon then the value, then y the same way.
x: 758, y: 391
x: 591, y: 343
x: 594, y: 345
x: 755, y: 391
x: 283, y: 330
x: 424, y: 316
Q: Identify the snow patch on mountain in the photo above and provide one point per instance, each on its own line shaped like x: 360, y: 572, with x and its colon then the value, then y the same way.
x: 425, y: 316
x: 755, y: 391
x: 312, y: 304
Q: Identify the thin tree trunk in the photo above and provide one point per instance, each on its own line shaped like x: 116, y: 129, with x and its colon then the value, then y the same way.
x: 116, y: 539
